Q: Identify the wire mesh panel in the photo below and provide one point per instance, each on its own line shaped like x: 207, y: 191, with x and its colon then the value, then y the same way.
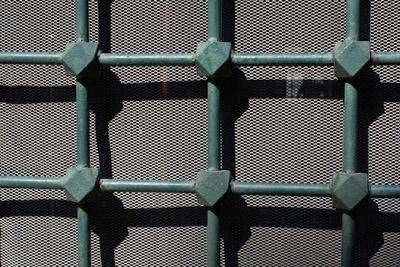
x: 279, y: 124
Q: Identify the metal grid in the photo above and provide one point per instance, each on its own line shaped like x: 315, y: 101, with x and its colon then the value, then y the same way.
x: 159, y: 109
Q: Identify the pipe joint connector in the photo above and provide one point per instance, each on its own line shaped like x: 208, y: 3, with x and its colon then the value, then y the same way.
x: 81, y: 185
x: 348, y: 190
x: 212, y: 186
x: 351, y: 58
x: 81, y: 59
x: 213, y: 59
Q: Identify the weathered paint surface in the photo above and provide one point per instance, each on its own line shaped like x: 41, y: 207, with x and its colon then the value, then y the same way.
x: 348, y: 190
x: 213, y: 59
x: 211, y: 186
x: 80, y: 184
x: 350, y: 57
x: 80, y: 59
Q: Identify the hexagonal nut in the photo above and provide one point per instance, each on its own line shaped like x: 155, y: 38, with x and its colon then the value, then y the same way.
x: 211, y: 186
x: 80, y: 59
x: 350, y: 57
x: 81, y: 184
x: 213, y: 59
x: 348, y: 190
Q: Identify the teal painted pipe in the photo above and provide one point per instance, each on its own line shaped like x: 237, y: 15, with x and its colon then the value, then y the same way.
x: 213, y: 164
x: 30, y: 58
x: 187, y: 59
x: 83, y: 237
x: 384, y: 191
x: 295, y: 59
x: 350, y: 166
x: 82, y: 20
x: 213, y: 126
x: 213, y: 243
x: 180, y: 59
x: 350, y: 128
x: 82, y: 124
x: 82, y: 114
x: 350, y: 134
x: 171, y: 186
x: 348, y: 230
x: 31, y: 182
x: 353, y: 19
x: 214, y: 34
x: 147, y: 186
x: 214, y: 20
x: 385, y: 58
x: 245, y: 188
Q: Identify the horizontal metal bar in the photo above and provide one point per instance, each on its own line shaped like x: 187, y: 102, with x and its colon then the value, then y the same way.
x: 385, y: 58
x: 247, y: 188
x: 30, y: 58
x: 384, y: 191
x: 31, y: 182
x: 181, y: 59
x: 292, y: 59
x: 147, y: 186
x: 188, y: 59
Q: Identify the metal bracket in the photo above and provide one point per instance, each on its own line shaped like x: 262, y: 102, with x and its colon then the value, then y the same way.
x: 348, y: 190
x: 81, y: 184
x: 350, y: 57
x: 213, y: 59
x: 211, y: 186
x: 81, y: 59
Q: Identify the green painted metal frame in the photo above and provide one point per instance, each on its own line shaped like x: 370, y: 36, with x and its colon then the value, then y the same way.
x: 188, y: 186
x: 188, y: 59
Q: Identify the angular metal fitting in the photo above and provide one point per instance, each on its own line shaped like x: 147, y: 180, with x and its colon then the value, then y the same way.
x: 81, y: 184
x: 81, y: 59
x: 350, y: 57
x: 348, y: 190
x: 213, y: 59
x: 211, y: 186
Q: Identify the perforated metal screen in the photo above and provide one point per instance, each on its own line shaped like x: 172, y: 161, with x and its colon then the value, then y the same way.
x: 279, y: 124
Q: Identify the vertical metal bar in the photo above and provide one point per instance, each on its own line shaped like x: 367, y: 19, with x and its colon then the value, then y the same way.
x: 214, y: 34
x: 350, y: 150
x: 83, y: 237
x: 82, y: 20
x: 213, y: 126
x: 353, y: 19
x: 82, y: 114
x: 350, y: 127
x: 214, y: 20
x: 212, y: 238
x: 213, y: 164
x: 82, y: 124
x: 350, y: 133
x: 348, y: 229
